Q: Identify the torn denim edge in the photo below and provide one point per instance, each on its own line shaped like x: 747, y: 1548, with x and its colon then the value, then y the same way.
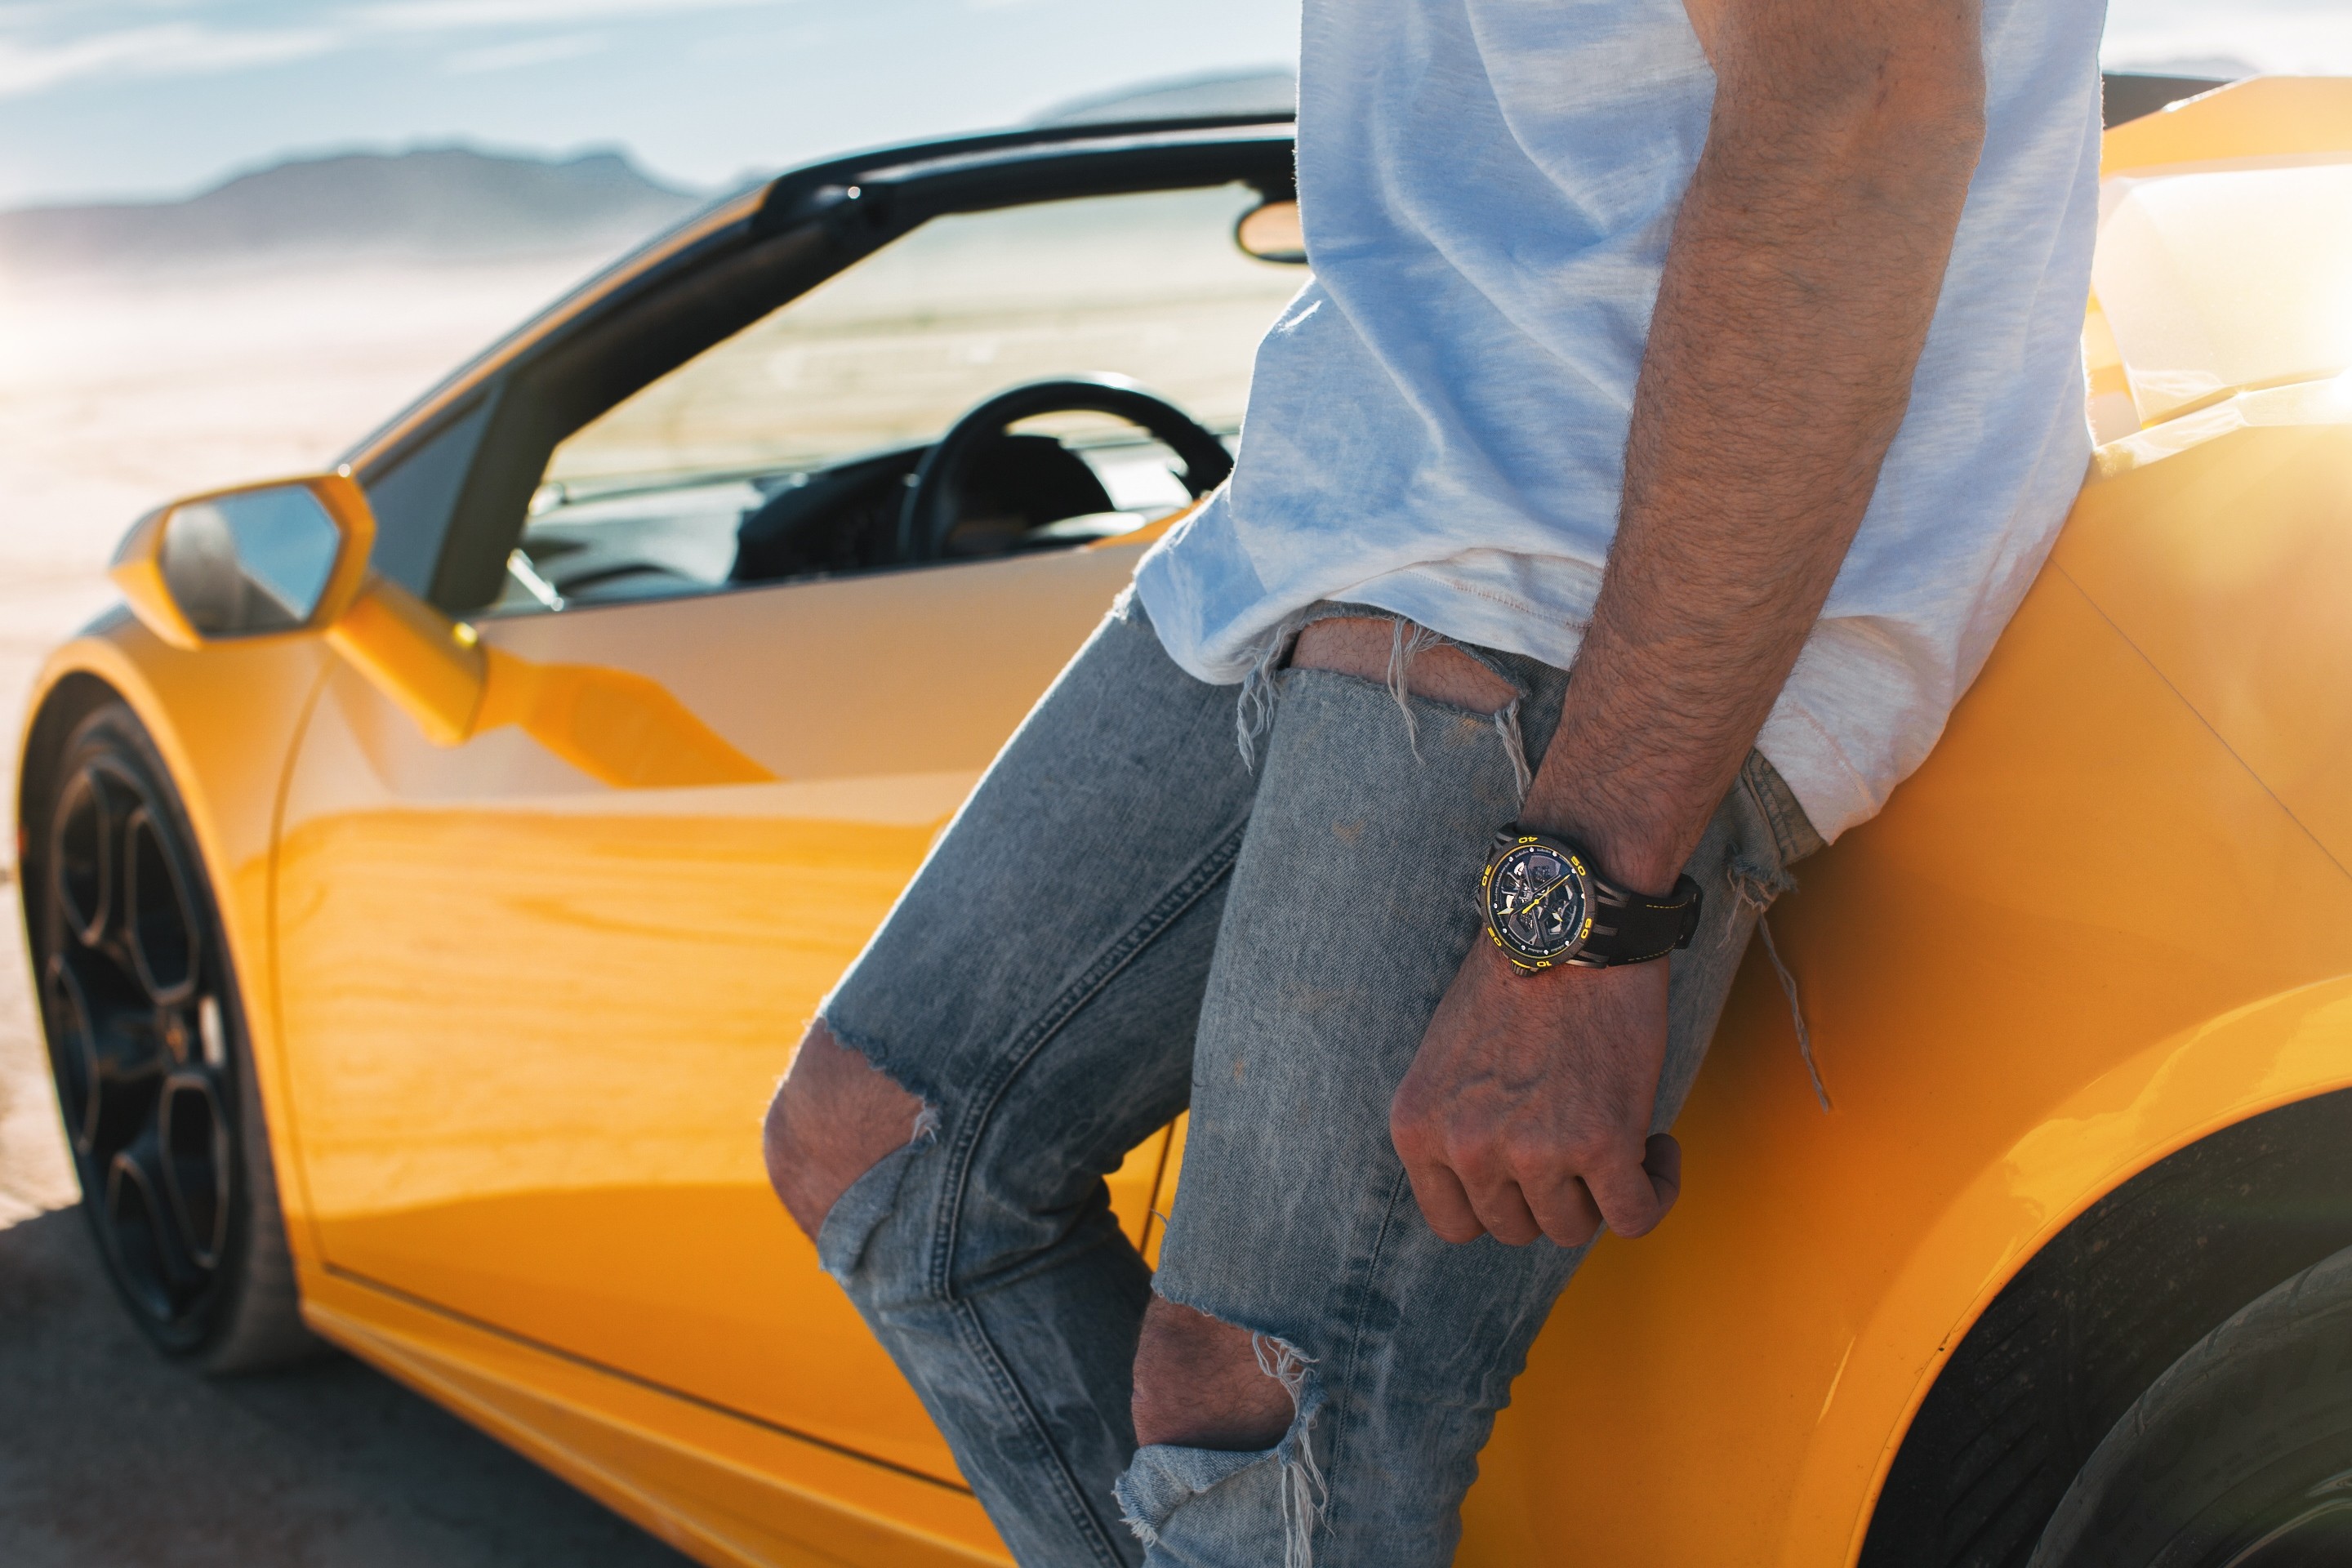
x: 1515, y: 745
x: 1164, y: 1476
x: 1756, y: 887
x: 878, y: 1056
x: 850, y: 1224
x: 1406, y: 641
x: 1303, y: 1494
x: 1261, y: 686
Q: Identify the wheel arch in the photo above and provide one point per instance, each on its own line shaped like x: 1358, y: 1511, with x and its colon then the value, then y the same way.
x: 224, y: 720
x: 65, y: 701
x: 107, y: 663
x: 2240, y: 1127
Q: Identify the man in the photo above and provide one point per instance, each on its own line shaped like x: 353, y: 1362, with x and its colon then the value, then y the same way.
x: 1726, y: 355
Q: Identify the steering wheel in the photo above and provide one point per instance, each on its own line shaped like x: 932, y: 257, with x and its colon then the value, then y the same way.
x: 935, y: 500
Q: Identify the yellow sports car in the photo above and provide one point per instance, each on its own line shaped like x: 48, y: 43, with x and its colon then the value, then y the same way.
x: 426, y: 876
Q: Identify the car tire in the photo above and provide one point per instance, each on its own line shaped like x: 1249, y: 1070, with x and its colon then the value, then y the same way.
x: 151, y: 1059
x: 2240, y: 1455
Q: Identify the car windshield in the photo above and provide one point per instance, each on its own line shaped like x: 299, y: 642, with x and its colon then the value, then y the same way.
x: 850, y: 383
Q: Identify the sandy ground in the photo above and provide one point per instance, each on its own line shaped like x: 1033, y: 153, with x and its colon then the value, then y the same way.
x: 113, y: 399
x: 116, y: 397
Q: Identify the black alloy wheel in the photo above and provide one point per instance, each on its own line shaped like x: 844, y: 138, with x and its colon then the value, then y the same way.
x: 2239, y: 1456
x: 148, y: 1047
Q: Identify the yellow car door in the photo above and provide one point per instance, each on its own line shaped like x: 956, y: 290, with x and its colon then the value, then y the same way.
x: 532, y: 1014
x: 534, y: 1019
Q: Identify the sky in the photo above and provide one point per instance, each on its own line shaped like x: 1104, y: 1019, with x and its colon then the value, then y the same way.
x: 116, y: 99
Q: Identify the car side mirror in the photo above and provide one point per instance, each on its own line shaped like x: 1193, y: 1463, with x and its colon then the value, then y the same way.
x: 281, y: 557
x: 291, y: 556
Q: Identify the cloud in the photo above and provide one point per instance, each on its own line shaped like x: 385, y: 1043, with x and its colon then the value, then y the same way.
x: 177, y: 48
x: 435, y: 16
x: 528, y: 52
x: 44, y: 46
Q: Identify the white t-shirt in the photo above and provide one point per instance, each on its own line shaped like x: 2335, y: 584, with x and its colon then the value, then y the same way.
x: 1437, y: 423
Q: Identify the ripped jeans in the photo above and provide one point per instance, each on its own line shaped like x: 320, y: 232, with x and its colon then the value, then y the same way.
x: 1126, y: 921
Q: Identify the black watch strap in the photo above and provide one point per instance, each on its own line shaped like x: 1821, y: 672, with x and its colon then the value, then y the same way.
x: 1636, y: 928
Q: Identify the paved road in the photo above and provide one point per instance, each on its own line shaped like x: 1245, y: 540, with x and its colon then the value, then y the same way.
x: 112, y: 1458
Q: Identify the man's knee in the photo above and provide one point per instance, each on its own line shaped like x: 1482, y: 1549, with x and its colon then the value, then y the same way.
x: 834, y: 1116
x: 1199, y: 1383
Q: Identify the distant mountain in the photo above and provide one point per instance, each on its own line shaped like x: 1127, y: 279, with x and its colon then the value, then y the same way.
x: 433, y: 203
x: 1270, y: 92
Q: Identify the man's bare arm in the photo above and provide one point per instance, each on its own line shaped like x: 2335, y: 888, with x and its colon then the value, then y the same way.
x: 1797, y: 290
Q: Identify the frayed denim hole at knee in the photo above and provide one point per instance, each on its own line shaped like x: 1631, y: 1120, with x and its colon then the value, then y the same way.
x: 1163, y: 1477
x: 1166, y: 1477
x: 849, y: 1226
x: 878, y: 1056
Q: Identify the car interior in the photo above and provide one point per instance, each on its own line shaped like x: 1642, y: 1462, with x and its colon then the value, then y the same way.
x: 817, y: 441
x: 982, y: 490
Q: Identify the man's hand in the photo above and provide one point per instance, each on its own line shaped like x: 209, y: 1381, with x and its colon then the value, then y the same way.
x: 1526, y: 1110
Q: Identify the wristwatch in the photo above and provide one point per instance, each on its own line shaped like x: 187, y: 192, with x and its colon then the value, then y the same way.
x: 1546, y: 908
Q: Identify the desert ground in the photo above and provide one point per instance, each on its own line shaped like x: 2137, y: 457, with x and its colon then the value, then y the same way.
x: 114, y: 395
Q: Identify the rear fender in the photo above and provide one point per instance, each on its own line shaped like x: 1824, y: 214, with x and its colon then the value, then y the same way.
x: 2096, y: 1316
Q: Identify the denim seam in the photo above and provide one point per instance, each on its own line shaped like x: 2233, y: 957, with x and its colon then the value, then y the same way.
x: 1010, y: 1394
x: 1757, y: 799
x: 1205, y: 874
x: 1787, y: 843
x: 1364, y: 1292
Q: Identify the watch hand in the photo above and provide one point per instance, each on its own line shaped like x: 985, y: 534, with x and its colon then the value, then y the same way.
x: 1545, y: 892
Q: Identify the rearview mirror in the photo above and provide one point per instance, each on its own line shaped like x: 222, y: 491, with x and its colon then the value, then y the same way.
x: 280, y: 557
x: 1271, y: 231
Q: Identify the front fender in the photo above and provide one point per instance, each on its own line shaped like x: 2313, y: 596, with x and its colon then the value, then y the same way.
x: 225, y: 719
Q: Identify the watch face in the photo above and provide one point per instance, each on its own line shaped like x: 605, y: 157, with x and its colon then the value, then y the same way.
x: 1538, y: 903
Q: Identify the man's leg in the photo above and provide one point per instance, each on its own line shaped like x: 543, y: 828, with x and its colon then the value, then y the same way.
x: 1295, y: 1239
x: 1025, y: 1017
x: 1197, y: 1380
